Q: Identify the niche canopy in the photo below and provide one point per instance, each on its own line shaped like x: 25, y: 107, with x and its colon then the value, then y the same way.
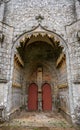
x: 39, y: 32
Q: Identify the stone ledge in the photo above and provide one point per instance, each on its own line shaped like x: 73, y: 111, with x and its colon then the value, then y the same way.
x: 3, y: 81
x: 16, y: 85
x: 76, y: 82
x: 65, y: 85
x: 2, y: 107
x: 77, y: 79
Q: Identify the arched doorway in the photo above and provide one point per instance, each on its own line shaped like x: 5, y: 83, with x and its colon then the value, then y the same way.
x: 33, y: 97
x: 41, y: 47
x: 46, y: 97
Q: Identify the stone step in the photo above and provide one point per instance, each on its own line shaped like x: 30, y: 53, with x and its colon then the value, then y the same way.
x: 35, y: 128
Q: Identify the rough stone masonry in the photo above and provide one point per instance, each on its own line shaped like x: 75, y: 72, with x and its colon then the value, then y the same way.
x: 20, y: 17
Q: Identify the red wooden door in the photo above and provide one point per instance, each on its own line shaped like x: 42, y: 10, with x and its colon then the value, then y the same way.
x: 46, y: 97
x: 33, y: 97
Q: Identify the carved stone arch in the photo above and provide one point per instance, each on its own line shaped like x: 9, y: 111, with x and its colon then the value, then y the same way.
x: 40, y: 30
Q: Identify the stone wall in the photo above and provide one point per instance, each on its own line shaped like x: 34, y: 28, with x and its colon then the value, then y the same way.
x: 48, y: 75
x: 2, y: 94
x: 6, y: 32
x: 56, y: 77
x: 5, y: 50
x: 64, y: 100
x: 16, y: 98
x: 2, y: 11
x: 17, y: 75
x: 17, y: 85
x: 62, y: 73
x: 74, y: 51
x: 62, y: 85
x: 21, y: 14
x: 77, y: 8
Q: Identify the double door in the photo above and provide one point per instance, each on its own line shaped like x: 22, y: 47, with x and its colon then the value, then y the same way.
x: 33, y: 97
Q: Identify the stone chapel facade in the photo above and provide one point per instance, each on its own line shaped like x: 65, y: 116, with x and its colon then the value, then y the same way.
x: 40, y: 56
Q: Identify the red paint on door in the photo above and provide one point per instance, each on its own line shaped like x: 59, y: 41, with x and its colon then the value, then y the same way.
x: 33, y: 97
x: 46, y: 97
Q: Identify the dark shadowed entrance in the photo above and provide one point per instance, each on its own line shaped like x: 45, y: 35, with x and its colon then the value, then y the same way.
x: 46, y: 97
x: 41, y: 57
x: 33, y: 97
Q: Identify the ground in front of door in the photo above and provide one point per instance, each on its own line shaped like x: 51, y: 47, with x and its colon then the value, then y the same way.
x: 37, y: 121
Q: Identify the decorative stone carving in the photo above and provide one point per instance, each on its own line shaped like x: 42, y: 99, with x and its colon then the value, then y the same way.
x: 39, y: 18
x: 61, y: 86
x: 17, y: 73
x: 60, y: 59
x: 16, y: 85
x: 40, y: 30
x: 77, y: 79
x: 3, y: 81
x: 18, y: 59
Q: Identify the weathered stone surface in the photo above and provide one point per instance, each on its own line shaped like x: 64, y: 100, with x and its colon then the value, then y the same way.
x: 60, y: 16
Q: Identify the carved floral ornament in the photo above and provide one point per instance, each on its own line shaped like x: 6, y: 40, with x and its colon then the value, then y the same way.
x: 36, y: 34
x: 40, y: 32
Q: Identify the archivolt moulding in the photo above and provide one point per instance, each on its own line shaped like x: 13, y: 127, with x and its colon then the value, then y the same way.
x: 36, y: 31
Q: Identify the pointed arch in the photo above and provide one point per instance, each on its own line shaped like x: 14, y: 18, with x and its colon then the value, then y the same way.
x: 39, y: 30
